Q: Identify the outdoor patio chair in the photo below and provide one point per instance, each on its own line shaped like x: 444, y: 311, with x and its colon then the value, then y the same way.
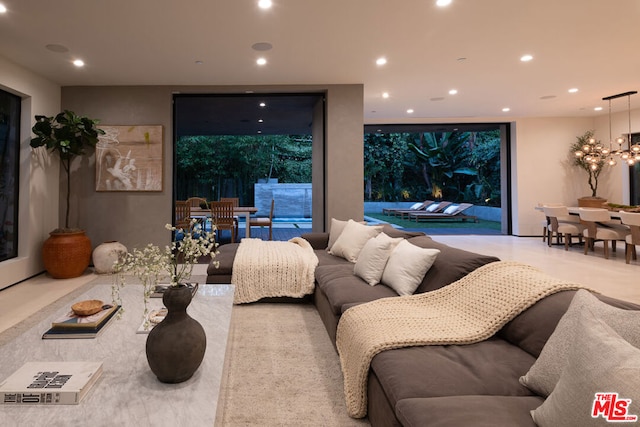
x: 401, y: 212
x: 183, y: 214
x: 222, y: 217
x: 236, y: 203
x: 264, y: 222
x: 198, y: 202
x: 448, y: 211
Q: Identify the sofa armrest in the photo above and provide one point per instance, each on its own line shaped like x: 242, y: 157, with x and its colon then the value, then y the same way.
x: 318, y: 240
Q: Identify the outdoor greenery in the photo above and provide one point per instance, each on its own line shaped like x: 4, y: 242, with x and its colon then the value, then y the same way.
x: 453, y: 166
x: 229, y: 166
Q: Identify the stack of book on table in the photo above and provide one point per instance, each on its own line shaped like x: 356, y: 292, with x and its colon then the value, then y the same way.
x: 75, y: 325
x: 50, y: 383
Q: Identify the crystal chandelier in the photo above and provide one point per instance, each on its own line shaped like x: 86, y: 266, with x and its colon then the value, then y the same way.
x: 595, y: 154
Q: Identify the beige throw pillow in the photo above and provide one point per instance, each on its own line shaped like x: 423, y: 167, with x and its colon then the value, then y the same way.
x: 599, y: 362
x: 352, y: 239
x: 407, y: 266
x: 373, y: 258
x: 337, y: 226
x: 545, y: 372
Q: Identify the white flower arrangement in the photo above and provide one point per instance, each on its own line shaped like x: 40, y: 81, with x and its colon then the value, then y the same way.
x: 174, y: 262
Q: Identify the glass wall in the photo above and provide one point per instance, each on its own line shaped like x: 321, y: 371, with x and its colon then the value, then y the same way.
x: 9, y: 167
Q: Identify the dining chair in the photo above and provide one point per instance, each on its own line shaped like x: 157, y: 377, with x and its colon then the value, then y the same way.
x: 236, y: 203
x: 183, y: 214
x: 632, y: 220
x: 545, y: 221
x: 222, y: 217
x: 560, y: 223
x: 599, y: 226
x: 264, y: 222
x: 197, y: 202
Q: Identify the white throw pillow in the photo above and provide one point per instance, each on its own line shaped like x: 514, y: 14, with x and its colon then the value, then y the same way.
x: 451, y: 209
x: 432, y: 207
x: 407, y: 266
x: 334, y: 232
x: 599, y: 361
x: 352, y: 239
x: 373, y: 258
x: 545, y: 372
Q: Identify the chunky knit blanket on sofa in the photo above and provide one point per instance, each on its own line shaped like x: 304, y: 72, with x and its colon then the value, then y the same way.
x: 464, y: 312
x: 273, y: 269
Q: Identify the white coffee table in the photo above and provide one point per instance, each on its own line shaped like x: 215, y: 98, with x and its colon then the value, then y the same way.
x: 128, y: 393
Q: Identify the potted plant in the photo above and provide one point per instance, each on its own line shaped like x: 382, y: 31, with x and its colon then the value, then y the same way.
x: 67, y: 252
x: 593, y: 167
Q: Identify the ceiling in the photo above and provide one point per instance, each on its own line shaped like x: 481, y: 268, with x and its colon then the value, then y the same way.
x: 473, y: 46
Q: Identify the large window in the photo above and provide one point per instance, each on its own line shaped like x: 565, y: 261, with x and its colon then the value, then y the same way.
x: 9, y: 168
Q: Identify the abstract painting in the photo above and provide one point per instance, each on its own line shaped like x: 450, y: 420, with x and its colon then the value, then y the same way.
x: 129, y: 158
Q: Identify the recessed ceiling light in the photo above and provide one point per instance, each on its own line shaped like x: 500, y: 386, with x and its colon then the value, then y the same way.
x: 385, y: 95
x: 443, y: 3
x: 262, y: 104
x: 199, y: 62
x: 259, y: 131
x: 78, y: 63
x: 3, y: 8
x: 453, y: 91
x: 265, y: 4
x: 381, y: 61
x: 261, y: 61
x: 410, y: 111
x: 598, y: 109
x: 526, y: 58
x: 573, y: 90
x: 260, y: 121
x: 506, y: 109
x: 548, y: 97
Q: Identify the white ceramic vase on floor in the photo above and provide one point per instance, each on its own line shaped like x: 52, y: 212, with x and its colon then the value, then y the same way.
x: 106, y: 254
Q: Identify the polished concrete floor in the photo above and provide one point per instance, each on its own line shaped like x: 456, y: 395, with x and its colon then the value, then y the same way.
x: 611, y: 277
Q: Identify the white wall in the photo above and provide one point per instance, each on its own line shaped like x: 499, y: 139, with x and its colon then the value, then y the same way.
x: 39, y: 177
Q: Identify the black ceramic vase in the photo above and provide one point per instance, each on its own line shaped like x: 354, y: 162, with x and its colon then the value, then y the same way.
x: 176, y: 346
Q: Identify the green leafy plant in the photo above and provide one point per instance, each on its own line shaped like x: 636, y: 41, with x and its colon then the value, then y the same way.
x: 68, y: 135
x: 592, y: 169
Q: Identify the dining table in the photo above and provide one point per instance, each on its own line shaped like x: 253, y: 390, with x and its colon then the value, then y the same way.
x: 575, y: 210
x: 245, y: 211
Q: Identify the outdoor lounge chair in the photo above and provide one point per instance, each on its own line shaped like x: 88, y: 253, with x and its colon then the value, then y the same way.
x: 452, y: 211
x: 402, y: 212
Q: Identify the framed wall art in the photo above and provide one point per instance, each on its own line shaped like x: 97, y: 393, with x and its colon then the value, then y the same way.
x: 130, y: 158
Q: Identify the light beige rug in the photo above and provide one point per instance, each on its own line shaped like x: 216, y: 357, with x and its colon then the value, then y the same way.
x: 281, y: 370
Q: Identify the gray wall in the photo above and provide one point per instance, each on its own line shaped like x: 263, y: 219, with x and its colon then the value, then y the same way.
x: 136, y: 218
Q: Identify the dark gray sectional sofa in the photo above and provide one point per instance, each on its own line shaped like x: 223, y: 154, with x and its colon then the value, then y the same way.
x: 442, y: 385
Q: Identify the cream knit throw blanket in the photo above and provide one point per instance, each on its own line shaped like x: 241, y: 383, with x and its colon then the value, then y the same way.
x: 273, y: 269
x: 464, y: 312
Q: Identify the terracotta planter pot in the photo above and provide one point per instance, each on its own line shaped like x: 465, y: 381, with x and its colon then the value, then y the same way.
x: 66, y: 255
x: 591, y: 202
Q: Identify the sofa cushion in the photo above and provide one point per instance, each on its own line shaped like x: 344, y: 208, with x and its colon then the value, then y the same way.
x: 545, y: 373
x: 450, y: 265
x: 341, y: 287
x: 373, y: 258
x: 599, y: 361
x: 407, y: 266
x: 395, y: 232
x: 352, y: 239
x: 490, y: 367
x: 335, y: 230
x: 477, y: 411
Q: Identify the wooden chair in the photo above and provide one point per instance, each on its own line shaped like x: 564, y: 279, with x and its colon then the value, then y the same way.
x: 198, y: 202
x: 598, y: 226
x: 264, y: 222
x: 236, y: 203
x: 560, y: 223
x: 632, y: 220
x: 183, y: 214
x: 222, y: 217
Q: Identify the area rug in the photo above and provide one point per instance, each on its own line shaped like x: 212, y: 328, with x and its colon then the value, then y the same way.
x: 281, y: 370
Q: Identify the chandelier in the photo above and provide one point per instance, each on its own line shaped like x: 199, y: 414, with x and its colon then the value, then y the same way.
x: 595, y: 154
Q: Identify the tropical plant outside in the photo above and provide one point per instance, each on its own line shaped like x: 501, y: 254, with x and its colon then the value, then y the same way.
x: 453, y: 166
